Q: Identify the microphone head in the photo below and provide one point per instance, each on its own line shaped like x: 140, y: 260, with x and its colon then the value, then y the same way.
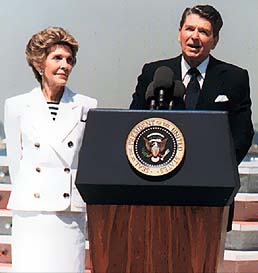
x: 179, y: 89
x: 149, y: 91
x: 163, y: 78
x: 149, y: 95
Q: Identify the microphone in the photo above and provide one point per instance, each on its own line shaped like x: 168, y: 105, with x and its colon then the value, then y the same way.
x: 162, y: 84
x: 178, y: 92
x: 179, y: 89
x: 150, y: 96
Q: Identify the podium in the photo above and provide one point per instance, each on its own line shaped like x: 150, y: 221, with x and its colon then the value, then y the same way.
x: 173, y: 222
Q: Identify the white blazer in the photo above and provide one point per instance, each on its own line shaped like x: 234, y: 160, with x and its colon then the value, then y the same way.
x: 42, y: 153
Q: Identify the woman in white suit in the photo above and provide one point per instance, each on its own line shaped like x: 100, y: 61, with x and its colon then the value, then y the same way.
x: 44, y: 130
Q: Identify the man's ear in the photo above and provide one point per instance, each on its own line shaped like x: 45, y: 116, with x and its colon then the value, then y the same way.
x: 216, y: 39
x: 179, y: 35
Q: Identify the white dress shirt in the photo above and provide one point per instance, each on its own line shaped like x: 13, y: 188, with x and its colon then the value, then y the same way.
x: 201, y: 67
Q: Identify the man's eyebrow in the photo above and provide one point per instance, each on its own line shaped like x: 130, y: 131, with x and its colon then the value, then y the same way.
x: 188, y: 25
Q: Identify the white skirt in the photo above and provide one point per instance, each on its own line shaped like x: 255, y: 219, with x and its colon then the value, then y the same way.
x: 48, y: 242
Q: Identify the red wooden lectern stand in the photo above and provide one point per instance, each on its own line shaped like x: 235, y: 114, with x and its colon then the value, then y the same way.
x: 176, y: 223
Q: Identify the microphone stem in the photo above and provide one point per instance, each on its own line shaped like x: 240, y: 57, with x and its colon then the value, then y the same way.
x: 161, y: 103
x: 170, y: 106
x: 152, y: 105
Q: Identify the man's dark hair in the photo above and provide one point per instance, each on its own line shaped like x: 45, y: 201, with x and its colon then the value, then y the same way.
x: 205, y: 11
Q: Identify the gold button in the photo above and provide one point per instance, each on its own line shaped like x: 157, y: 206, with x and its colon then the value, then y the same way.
x: 38, y: 169
x: 36, y: 195
x: 66, y: 195
x: 67, y: 170
x: 37, y: 145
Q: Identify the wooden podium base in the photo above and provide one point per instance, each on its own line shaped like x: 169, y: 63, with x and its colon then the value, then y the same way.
x: 156, y: 239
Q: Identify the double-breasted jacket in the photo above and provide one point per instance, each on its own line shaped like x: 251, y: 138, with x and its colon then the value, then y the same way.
x: 42, y: 153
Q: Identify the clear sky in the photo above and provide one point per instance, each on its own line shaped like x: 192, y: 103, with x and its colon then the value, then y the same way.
x: 117, y: 37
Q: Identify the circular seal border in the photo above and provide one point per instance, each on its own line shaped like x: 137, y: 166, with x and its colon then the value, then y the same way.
x: 146, y: 169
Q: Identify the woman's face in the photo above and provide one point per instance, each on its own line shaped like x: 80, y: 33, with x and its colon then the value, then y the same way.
x: 57, y: 66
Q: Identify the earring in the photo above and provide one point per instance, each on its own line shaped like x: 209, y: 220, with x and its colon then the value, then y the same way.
x: 40, y: 72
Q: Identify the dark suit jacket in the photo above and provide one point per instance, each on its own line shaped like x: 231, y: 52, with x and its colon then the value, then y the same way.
x: 221, y: 79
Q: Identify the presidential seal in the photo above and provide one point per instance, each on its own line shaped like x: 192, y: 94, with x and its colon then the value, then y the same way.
x: 155, y: 147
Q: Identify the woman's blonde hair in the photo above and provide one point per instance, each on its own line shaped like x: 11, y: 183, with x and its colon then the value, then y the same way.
x: 40, y: 43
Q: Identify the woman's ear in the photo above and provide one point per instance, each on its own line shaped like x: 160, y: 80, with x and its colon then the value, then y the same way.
x: 38, y: 67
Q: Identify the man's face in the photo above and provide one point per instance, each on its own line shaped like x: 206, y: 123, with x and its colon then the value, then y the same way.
x: 196, y: 39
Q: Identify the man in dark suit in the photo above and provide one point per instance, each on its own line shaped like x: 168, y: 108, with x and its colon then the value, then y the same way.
x: 221, y: 86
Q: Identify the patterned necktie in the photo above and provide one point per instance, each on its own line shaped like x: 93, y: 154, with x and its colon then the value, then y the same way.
x: 192, y: 89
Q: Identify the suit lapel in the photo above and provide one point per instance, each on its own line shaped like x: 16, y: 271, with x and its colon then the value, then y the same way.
x: 67, y: 119
x: 39, y: 115
x: 175, y: 65
x: 213, y: 83
x: 48, y: 130
x: 68, y: 115
x: 52, y: 132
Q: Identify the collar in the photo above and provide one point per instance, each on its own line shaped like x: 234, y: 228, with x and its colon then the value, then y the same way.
x: 66, y: 96
x: 202, y: 67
